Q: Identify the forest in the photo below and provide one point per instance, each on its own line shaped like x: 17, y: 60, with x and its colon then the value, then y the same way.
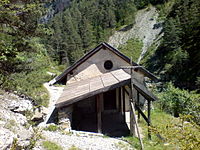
x: 29, y: 47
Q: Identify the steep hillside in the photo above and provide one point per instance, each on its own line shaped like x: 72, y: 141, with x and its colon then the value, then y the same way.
x: 177, y: 59
x: 145, y: 28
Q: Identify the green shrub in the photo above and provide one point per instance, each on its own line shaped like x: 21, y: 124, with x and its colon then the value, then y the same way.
x: 48, y: 145
x: 73, y: 147
x: 52, y: 128
x: 176, y: 101
x: 169, y: 133
x: 132, y: 48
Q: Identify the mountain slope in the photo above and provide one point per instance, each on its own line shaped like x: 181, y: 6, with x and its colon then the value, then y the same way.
x: 146, y: 28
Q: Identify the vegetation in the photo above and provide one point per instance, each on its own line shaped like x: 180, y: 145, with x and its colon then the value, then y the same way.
x: 74, y: 148
x: 179, y: 102
x: 168, y: 133
x: 132, y: 49
x: 48, y: 145
x: 23, y: 59
x: 84, y: 25
x: 52, y: 128
x: 177, y: 58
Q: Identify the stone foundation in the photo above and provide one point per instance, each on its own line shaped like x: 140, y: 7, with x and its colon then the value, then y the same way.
x: 65, y: 117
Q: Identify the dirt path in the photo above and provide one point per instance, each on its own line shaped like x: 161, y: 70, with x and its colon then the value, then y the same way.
x: 54, y: 94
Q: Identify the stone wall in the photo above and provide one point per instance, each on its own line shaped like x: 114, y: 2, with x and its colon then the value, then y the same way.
x: 65, y: 117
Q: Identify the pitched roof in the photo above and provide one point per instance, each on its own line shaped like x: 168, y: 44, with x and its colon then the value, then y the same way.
x: 83, y: 89
x: 80, y: 90
x: 92, y: 52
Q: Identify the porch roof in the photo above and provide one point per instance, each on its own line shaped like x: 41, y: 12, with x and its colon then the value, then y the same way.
x: 76, y: 91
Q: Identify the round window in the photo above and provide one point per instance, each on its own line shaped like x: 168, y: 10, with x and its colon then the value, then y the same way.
x: 108, y: 65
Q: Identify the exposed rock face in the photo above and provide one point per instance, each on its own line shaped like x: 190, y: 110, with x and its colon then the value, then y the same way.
x: 6, y: 138
x: 14, y: 125
x: 20, y: 106
x: 146, y: 28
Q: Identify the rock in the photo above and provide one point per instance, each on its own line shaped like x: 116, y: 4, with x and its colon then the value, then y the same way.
x: 43, y: 110
x: 20, y: 106
x: 38, y: 116
x: 6, y: 138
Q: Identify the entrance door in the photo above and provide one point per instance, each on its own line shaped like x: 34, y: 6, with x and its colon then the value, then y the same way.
x: 110, y: 100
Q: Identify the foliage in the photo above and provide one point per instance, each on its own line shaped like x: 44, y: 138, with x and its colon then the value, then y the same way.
x: 144, y: 3
x: 85, y: 24
x: 176, y: 101
x: 168, y: 133
x: 23, y: 59
x: 35, y: 137
x: 52, y: 128
x: 132, y: 49
x: 48, y: 145
x: 18, y: 23
x: 74, y: 148
x: 30, y: 74
x: 177, y: 58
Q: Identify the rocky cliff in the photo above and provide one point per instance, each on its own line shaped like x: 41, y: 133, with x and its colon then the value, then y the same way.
x: 146, y: 28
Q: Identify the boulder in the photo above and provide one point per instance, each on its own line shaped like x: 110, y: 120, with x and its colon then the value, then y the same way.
x: 6, y: 138
x: 39, y: 114
x: 20, y: 106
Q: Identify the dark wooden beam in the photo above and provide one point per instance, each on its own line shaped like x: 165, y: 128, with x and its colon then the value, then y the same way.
x: 149, y: 119
x: 143, y: 90
x: 141, y: 112
x: 138, y: 103
x: 124, y: 107
x: 98, y: 105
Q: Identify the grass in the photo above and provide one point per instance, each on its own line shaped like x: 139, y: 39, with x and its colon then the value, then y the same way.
x: 121, y: 145
x: 48, y: 145
x: 132, y: 48
x: 52, y: 128
x: 168, y: 133
x: 73, y: 147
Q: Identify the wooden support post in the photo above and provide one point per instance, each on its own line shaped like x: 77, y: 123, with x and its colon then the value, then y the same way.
x: 132, y: 102
x: 124, y: 98
x: 117, y: 100
x: 138, y: 103
x: 99, y: 100
x: 132, y: 121
x: 122, y: 101
x: 149, y: 119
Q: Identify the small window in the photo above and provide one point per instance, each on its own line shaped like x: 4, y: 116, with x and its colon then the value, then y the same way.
x: 108, y: 65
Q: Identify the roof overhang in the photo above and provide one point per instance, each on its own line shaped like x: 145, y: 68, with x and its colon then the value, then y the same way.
x: 80, y: 90
x: 83, y: 89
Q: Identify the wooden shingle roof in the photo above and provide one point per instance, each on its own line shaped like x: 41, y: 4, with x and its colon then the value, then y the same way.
x: 79, y: 90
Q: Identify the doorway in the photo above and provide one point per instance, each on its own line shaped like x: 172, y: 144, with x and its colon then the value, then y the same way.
x: 109, y: 99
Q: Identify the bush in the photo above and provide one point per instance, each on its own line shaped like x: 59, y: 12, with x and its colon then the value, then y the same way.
x: 29, y: 75
x: 52, y: 128
x: 168, y: 132
x: 132, y: 48
x: 176, y: 101
x: 51, y: 146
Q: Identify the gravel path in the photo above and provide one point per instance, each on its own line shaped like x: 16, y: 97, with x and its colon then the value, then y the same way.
x: 86, y: 142
x: 54, y: 94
